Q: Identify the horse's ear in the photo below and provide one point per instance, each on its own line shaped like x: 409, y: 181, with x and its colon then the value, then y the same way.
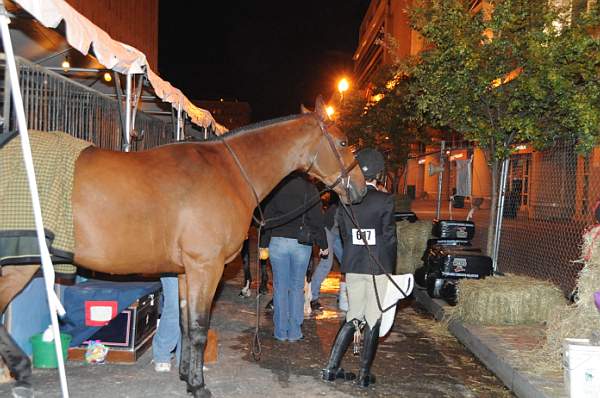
x: 303, y: 109
x: 320, y: 108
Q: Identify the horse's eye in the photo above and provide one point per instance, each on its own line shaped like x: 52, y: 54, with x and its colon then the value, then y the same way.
x: 343, y: 143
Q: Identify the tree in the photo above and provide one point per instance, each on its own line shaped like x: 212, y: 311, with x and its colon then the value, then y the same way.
x: 518, y: 71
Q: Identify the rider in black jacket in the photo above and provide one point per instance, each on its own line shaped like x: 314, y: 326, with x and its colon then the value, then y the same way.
x: 377, y: 230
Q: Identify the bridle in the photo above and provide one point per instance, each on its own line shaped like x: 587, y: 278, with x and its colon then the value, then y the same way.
x: 343, y: 177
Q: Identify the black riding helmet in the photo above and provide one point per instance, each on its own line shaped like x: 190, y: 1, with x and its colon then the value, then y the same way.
x: 371, y: 163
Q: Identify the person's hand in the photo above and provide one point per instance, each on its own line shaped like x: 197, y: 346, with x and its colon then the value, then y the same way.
x: 323, y: 252
x: 263, y: 253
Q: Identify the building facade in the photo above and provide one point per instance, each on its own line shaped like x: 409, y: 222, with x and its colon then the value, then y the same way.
x: 555, y: 183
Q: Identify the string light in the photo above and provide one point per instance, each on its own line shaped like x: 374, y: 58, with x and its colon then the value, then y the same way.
x: 66, y: 64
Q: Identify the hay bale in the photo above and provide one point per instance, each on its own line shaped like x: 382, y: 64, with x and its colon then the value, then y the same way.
x: 507, y: 300
x: 412, y: 241
x: 582, y: 318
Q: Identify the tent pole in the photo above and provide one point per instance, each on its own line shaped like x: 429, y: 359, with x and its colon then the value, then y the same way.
x: 47, y: 267
x: 127, y: 138
x: 178, y: 135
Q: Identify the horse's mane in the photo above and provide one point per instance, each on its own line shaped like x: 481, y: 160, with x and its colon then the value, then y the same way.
x: 254, y: 126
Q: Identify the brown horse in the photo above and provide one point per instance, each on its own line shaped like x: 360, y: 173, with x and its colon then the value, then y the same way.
x: 185, y: 208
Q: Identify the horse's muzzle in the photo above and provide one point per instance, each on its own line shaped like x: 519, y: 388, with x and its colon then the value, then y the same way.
x: 356, y: 195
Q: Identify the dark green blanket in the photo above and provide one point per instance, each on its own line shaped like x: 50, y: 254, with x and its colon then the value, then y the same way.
x: 54, y: 156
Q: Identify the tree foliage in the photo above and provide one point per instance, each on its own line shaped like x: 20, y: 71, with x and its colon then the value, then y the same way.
x: 526, y: 72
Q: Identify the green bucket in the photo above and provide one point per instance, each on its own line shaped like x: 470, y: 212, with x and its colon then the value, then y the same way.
x: 44, y: 353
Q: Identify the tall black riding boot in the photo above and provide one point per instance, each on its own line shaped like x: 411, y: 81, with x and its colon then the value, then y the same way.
x: 333, y: 371
x: 370, y: 343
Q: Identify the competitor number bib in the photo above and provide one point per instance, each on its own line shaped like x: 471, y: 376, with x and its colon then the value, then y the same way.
x: 368, y: 234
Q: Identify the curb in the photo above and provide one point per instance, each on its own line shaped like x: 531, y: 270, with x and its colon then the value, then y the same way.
x: 522, y: 384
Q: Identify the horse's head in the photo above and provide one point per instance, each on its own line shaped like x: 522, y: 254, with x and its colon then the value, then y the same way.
x: 332, y: 161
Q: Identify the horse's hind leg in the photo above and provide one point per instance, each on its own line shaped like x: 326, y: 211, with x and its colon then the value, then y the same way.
x: 184, y: 365
x: 12, y: 281
x: 202, y: 281
x: 17, y: 362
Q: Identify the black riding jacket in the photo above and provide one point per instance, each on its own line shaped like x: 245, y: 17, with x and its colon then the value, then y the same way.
x: 375, y: 216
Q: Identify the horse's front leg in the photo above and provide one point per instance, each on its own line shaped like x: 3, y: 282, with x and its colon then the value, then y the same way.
x: 202, y: 281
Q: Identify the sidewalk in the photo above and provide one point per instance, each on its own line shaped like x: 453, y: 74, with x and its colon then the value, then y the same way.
x: 496, y: 347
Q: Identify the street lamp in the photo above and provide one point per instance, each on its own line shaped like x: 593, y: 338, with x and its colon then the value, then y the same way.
x: 343, y: 86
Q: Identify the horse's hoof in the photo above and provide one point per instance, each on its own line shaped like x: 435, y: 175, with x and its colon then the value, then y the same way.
x: 199, y: 392
x: 245, y: 292
x: 22, y: 391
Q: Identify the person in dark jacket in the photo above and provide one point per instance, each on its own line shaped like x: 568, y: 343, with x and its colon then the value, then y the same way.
x: 375, y: 217
x: 289, y: 257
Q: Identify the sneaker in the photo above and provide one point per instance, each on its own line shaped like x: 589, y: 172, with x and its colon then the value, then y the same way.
x: 162, y: 367
x: 316, y: 306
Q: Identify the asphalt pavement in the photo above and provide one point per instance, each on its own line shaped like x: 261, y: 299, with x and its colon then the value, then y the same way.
x: 417, y: 359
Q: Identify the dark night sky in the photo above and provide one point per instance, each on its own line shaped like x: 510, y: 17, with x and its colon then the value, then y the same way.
x: 272, y: 54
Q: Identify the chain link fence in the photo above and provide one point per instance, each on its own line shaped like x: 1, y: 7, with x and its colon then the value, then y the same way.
x: 549, y: 201
x: 549, y: 195
x: 55, y: 103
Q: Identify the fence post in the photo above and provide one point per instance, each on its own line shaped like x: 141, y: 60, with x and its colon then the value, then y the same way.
x: 500, y: 211
x: 6, y: 110
x: 440, y: 180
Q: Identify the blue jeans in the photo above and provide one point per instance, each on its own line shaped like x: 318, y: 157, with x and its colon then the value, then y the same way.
x: 168, y: 334
x: 334, y: 242
x: 29, y: 314
x: 289, y: 261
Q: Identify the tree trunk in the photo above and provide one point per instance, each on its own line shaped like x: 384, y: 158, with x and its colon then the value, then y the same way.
x: 493, y: 208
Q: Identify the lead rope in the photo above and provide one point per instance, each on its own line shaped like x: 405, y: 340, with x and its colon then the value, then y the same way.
x: 255, y: 346
x: 344, y: 175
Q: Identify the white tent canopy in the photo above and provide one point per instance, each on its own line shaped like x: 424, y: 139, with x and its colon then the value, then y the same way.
x: 85, y: 36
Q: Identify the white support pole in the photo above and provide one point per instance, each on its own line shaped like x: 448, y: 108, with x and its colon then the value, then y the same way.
x: 179, y: 135
x: 440, y: 180
x: 500, y: 212
x: 127, y: 138
x: 47, y: 267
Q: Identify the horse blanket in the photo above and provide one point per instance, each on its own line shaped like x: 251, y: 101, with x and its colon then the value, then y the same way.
x: 54, y: 156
